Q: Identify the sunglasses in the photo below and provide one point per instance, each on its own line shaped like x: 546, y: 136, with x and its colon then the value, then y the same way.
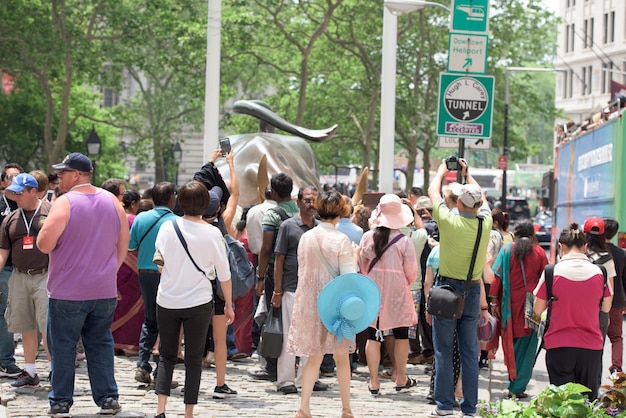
x: 15, y: 193
x: 10, y: 176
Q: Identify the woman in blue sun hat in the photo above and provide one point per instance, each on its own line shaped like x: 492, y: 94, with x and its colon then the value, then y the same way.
x: 323, y: 254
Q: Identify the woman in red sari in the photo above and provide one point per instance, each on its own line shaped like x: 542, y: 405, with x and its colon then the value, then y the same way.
x: 128, y: 316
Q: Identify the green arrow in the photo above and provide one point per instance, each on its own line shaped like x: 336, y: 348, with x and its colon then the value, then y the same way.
x: 468, y: 62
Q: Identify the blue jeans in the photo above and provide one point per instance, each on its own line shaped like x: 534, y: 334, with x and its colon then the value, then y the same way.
x: 7, y: 345
x: 149, y: 284
x: 90, y: 320
x: 443, y: 338
x: 231, y: 347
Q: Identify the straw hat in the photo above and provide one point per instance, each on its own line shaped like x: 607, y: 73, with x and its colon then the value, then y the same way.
x: 389, y: 213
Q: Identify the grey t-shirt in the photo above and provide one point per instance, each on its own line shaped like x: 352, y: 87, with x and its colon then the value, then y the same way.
x: 289, y: 235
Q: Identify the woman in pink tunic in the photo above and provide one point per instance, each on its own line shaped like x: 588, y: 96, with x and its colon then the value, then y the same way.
x: 323, y: 254
x: 388, y: 258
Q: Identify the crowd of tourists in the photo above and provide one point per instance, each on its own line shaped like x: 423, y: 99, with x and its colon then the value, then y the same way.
x: 106, y: 271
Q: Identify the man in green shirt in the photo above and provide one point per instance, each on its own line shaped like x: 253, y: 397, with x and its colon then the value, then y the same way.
x: 457, y: 234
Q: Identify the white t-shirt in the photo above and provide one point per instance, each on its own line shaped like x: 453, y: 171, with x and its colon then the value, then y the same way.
x: 182, y: 285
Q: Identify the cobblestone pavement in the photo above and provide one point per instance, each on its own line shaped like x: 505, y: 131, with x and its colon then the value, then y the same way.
x: 255, y: 398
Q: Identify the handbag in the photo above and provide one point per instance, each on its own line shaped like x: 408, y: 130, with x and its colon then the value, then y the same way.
x: 531, y: 320
x: 271, y: 344
x: 446, y: 301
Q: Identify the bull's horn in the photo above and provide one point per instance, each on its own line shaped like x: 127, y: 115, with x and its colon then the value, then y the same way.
x: 361, y: 186
x: 260, y: 110
x: 262, y: 178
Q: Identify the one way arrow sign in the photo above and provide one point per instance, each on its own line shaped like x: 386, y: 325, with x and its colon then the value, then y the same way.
x: 470, y: 143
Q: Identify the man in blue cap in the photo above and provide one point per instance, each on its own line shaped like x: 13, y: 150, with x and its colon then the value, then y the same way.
x: 7, y: 345
x: 28, y: 299
x: 86, y: 250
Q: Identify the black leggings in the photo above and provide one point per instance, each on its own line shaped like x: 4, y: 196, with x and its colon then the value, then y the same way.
x: 400, y: 333
x: 195, y: 322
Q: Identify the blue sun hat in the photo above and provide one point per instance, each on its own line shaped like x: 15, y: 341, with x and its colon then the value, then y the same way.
x: 348, y: 305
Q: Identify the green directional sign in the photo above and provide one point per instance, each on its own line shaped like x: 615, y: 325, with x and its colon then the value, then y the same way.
x: 470, y: 15
x: 465, y: 106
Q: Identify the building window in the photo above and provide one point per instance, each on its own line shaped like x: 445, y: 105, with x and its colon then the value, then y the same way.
x: 612, y: 27
x: 571, y: 83
x: 604, y: 71
x: 589, y: 79
x: 110, y: 99
x: 565, y: 85
x: 572, y: 37
x: 605, y: 35
x: 585, y: 32
x: 591, y: 32
x: 584, y: 82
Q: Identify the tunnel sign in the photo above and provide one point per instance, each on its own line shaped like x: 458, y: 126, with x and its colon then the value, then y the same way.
x: 465, y: 106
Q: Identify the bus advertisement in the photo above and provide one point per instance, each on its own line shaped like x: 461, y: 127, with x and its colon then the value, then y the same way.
x: 589, y: 175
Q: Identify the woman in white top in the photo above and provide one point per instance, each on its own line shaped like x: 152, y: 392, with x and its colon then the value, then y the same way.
x: 185, y: 294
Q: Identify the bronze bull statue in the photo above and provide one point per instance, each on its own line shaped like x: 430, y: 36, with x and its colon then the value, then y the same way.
x: 260, y: 155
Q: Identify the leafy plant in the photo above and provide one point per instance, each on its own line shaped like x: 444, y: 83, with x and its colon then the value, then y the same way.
x: 567, y: 400
x: 613, y: 401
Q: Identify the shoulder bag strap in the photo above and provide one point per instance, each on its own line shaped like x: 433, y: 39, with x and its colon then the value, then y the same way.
x: 152, y: 226
x: 389, y: 244
x: 319, y: 253
x: 182, y: 241
x: 468, y: 282
x: 521, y: 263
x: 549, y: 279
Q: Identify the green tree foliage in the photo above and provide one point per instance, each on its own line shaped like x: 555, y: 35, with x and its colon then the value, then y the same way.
x: 162, y: 50
x: 54, y: 43
x: 342, y: 72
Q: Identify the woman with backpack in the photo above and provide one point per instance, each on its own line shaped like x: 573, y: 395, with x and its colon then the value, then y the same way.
x: 573, y: 339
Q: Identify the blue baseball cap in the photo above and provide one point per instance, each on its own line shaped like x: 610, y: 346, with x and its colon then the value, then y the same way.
x: 348, y: 304
x: 75, y: 161
x: 22, y: 181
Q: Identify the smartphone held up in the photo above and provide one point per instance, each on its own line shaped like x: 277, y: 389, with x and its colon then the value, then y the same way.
x: 225, y: 146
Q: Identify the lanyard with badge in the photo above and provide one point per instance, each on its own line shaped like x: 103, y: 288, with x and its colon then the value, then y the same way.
x: 28, y: 242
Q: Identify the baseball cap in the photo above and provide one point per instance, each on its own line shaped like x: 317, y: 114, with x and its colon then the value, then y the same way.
x: 22, y: 181
x: 470, y: 195
x: 424, y: 202
x: 75, y: 161
x: 594, y: 226
x: 216, y: 194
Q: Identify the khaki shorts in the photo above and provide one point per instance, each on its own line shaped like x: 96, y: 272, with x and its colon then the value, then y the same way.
x: 27, y: 306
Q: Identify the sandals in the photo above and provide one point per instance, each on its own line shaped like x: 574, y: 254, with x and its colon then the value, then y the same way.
x: 386, y: 374
x: 373, y: 391
x: 409, y: 384
x: 522, y: 395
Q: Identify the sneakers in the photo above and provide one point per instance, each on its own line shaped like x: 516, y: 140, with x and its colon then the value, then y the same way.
x: 26, y: 379
x: 10, y: 371
x: 61, y: 409
x: 421, y: 359
x: 110, y: 406
x: 483, y: 363
x: 142, y: 375
x: 441, y: 413
x: 221, y: 392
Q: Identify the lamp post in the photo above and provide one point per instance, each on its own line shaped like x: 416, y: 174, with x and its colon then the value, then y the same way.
x: 391, y: 10
x: 93, y: 149
x: 177, y: 154
x: 505, y: 136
